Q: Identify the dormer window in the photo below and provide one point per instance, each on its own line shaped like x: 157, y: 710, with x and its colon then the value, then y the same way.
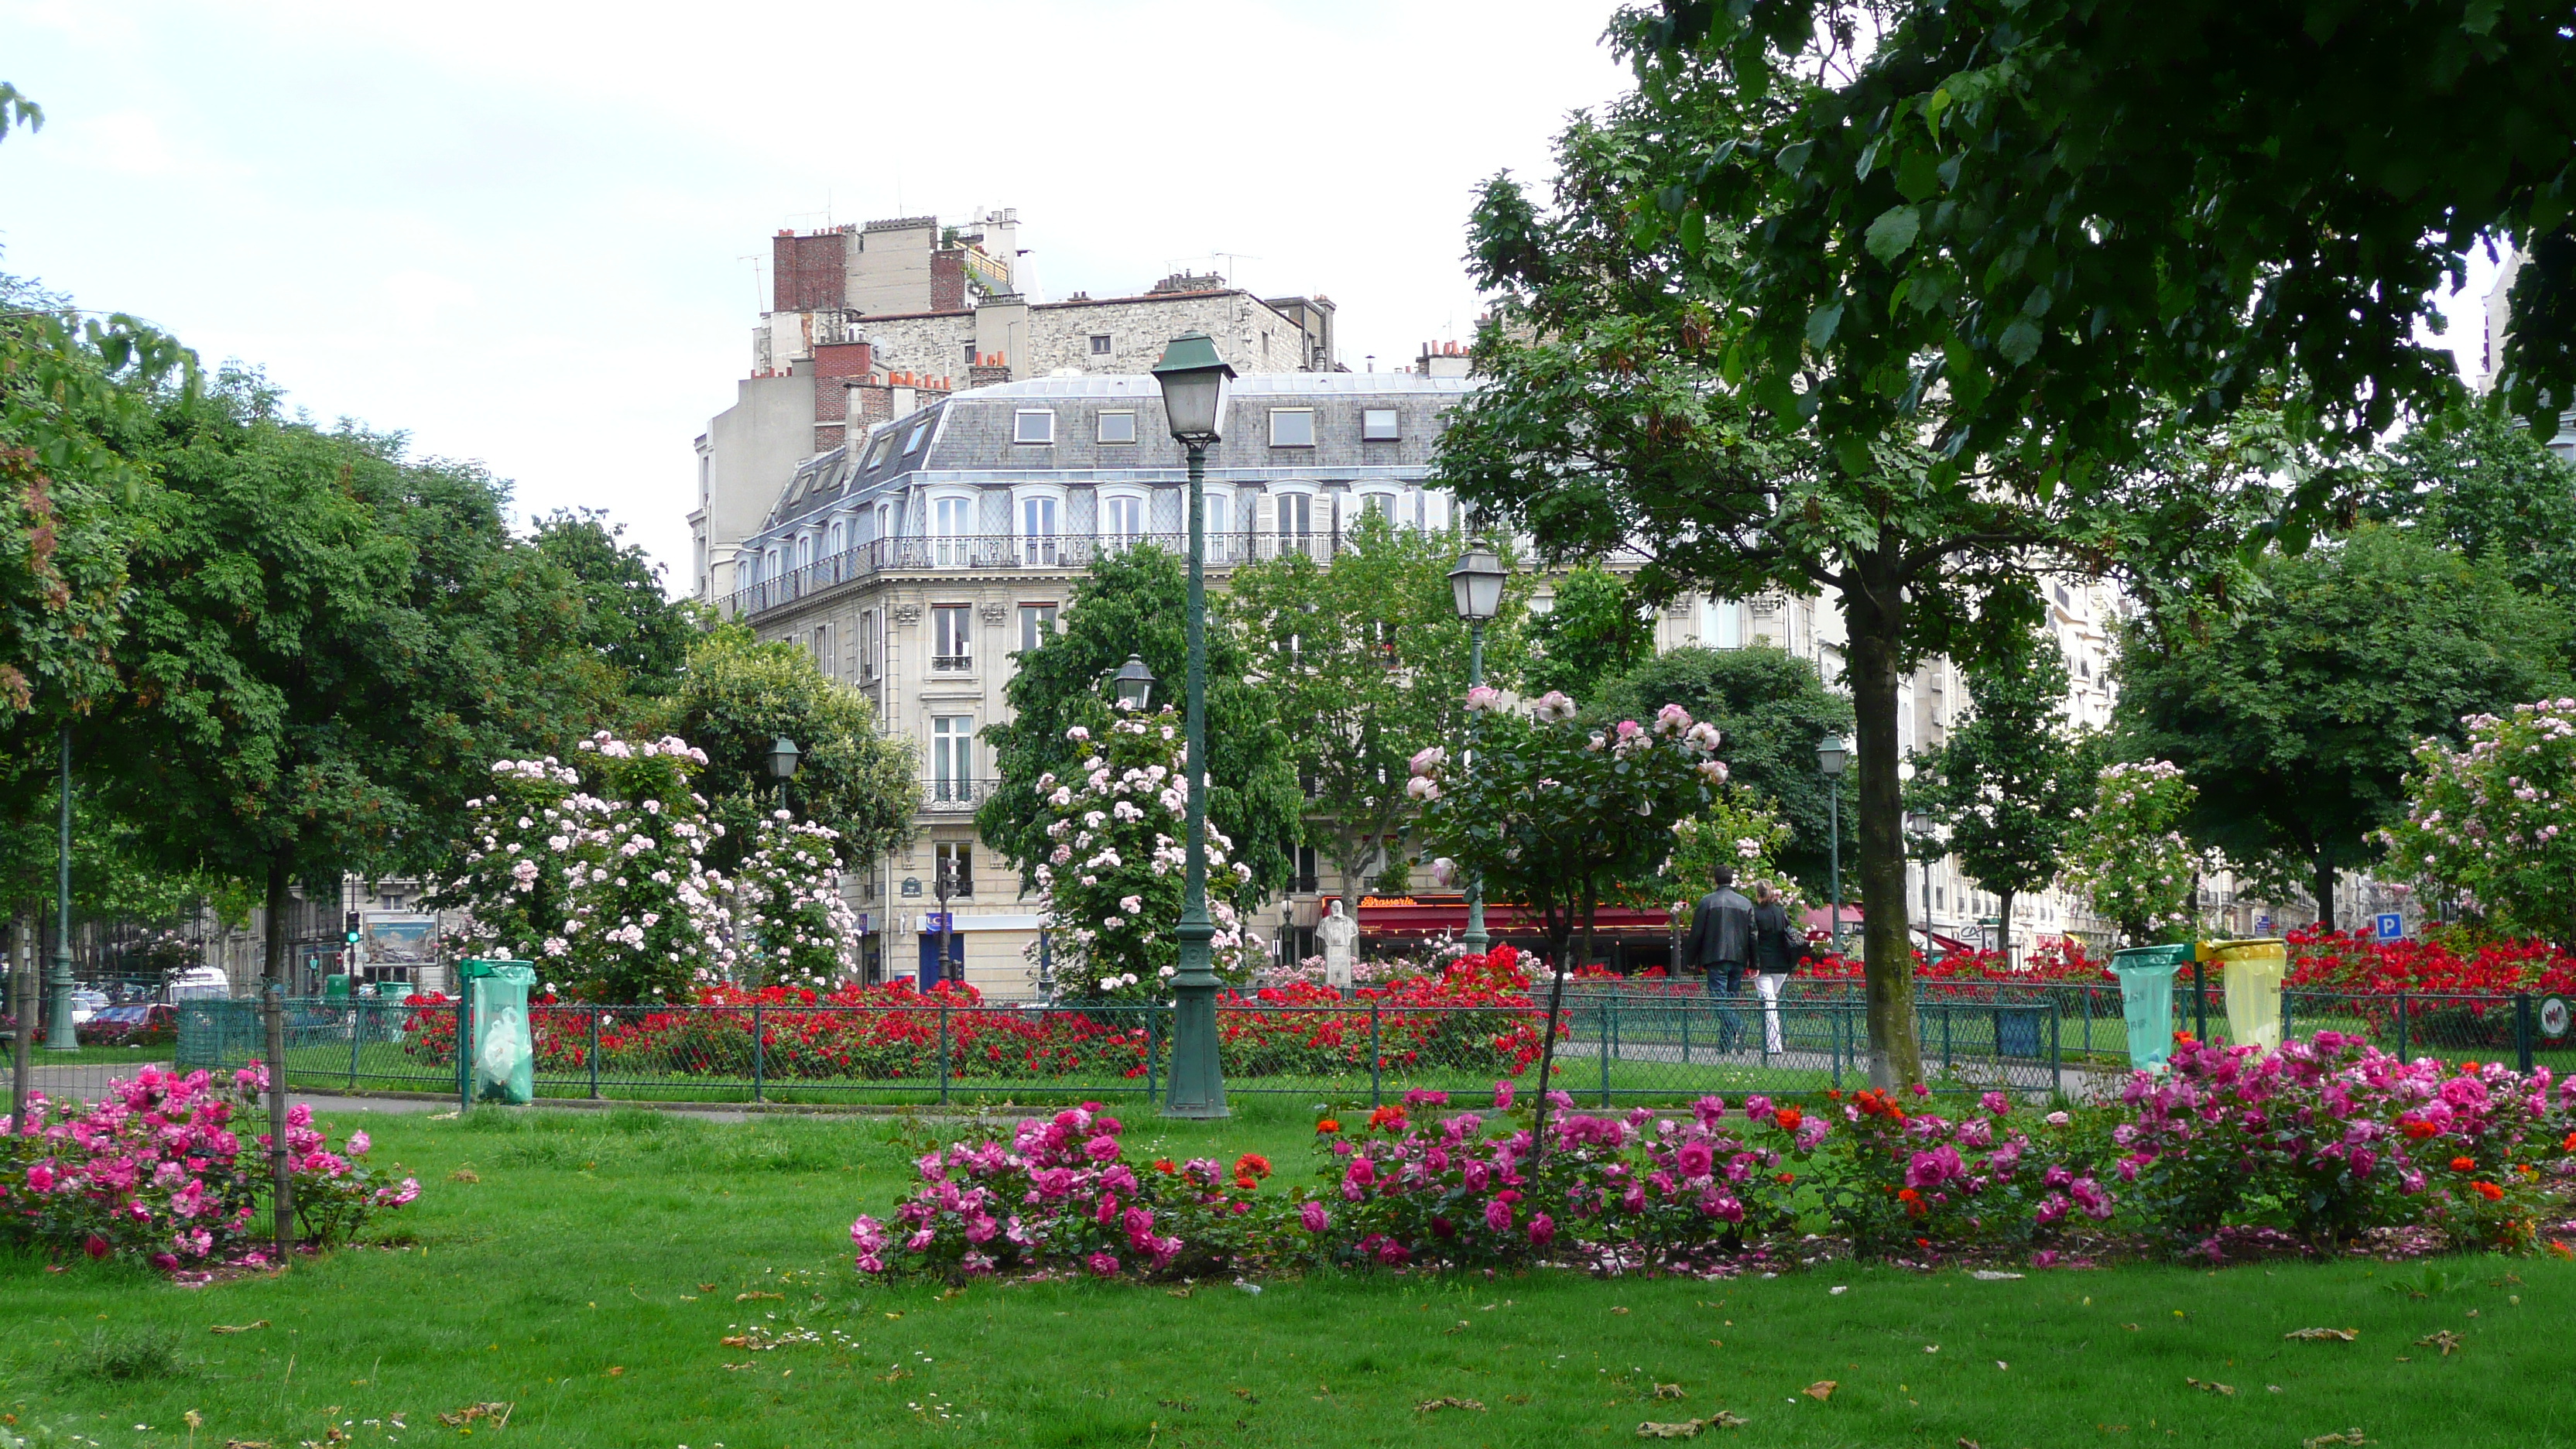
x: 1292, y: 427
x: 920, y: 431
x: 1033, y: 425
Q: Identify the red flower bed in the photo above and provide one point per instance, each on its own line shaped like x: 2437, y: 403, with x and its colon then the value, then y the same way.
x: 2350, y: 961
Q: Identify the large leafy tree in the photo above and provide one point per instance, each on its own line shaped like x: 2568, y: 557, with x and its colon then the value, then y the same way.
x: 625, y: 618
x: 2486, y: 486
x: 2297, y: 715
x: 738, y: 696
x: 1134, y: 602
x: 1367, y: 655
x: 1773, y: 710
x: 1594, y: 629
x: 2011, y: 779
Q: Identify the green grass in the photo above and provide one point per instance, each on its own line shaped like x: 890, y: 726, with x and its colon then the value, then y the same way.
x: 568, y: 1281
x: 86, y: 1055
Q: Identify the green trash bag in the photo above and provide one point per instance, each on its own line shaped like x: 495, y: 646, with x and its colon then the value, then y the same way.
x: 2146, y: 1000
x: 505, y: 1051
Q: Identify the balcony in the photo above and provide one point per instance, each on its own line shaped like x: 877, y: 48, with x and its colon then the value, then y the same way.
x: 1007, y: 553
x: 956, y: 797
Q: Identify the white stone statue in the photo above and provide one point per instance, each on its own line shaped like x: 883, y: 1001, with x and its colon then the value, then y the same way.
x: 1340, y: 937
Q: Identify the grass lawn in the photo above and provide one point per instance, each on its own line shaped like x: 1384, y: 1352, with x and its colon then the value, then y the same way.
x: 86, y: 1055
x: 590, y: 1275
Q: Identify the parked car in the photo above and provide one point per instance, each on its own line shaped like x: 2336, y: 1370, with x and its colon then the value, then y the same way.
x: 86, y: 1004
x: 143, y: 1024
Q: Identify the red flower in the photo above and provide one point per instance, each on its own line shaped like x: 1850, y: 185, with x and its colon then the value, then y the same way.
x: 2464, y: 1164
x: 1164, y: 1164
x: 1789, y: 1118
x: 1251, y: 1164
x: 2419, y: 1129
x: 2570, y: 1143
x: 1788, y: 1177
x: 2487, y: 1190
x: 1390, y: 1118
x: 1328, y: 1125
x: 1245, y: 1183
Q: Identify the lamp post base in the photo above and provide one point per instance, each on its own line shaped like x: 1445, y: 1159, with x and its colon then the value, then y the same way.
x: 1197, y: 1090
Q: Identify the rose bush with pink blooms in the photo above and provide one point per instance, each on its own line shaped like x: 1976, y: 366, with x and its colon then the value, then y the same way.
x: 155, y: 1170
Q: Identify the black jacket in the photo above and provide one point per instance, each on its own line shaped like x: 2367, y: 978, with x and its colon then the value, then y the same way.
x: 1721, y: 933
x: 1776, y: 948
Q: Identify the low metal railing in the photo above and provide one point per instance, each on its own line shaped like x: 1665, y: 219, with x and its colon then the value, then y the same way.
x: 1007, y: 552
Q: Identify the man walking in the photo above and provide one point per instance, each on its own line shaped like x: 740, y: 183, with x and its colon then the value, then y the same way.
x: 1721, y: 944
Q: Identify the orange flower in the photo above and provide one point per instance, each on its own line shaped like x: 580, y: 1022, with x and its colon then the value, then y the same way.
x: 1252, y: 1164
x: 1391, y: 1118
x: 1328, y: 1125
x: 1245, y: 1183
x: 2464, y: 1164
x: 2487, y: 1190
x: 1164, y: 1164
x: 2419, y: 1130
x: 1908, y: 1194
x: 2570, y: 1143
x: 1789, y: 1118
x: 1788, y: 1177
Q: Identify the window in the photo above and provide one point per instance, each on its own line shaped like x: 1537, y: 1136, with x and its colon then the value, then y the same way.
x: 951, y: 646
x: 952, y: 523
x: 1037, y: 532
x: 883, y: 445
x: 952, y: 758
x: 1381, y: 504
x: 823, y: 651
x: 1292, y: 427
x: 837, y: 540
x: 1306, y: 873
x: 920, y: 430
x: 885, y: 520
x: 871, y: 641
x: 1122, y: 521
x: 1296, y: 522
x: 804, y: 550
x: 1219, y: 521
x: 1033, y: 425
x: 1100, y: 344
x: 1117, y: 427
x: 1037, y: 625
x: 954, y: 859
x: 1377, y: 425
x: 968, y: 353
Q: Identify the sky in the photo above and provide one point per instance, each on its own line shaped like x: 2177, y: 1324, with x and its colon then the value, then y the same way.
x: 536, y: 234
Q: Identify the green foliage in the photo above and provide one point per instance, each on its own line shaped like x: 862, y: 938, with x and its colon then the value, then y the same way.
x: 2008, y: 782
x: 739, y: 695
x: 1368, y: 655
x: 641, y: 635
x: 124, y: 1355
x: 2297, y: 713
x: 1595, y: 629
x: 1773, y: 711
x: 1135, y: 601
x: 2487, y: 823
x: 2487, y: 487
x: 2129, y: 856
x: 1739, y: 830
x: 2034, y: 219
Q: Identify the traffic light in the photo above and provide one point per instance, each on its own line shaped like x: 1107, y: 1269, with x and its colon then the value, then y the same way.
x: 349, y: 923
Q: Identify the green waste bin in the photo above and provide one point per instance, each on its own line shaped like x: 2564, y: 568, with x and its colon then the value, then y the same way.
x: 2146, y: 1000
x: 504, y: 1063
x: 335, y: 987
x: 2255, y: 970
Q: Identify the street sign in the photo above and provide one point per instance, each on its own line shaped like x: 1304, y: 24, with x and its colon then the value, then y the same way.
x: 2555, y: 1018
x: 2391, y: 925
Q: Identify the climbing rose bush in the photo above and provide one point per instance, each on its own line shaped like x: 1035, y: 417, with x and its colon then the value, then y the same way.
x: 799, y: 929
x: 155, y: 1171
x: 2488, y: 825
x: 1110, y: 886
x: 2129, y: 857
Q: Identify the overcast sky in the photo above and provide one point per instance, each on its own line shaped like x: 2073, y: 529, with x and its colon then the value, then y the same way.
x: 536, y: 233
x: 521, y: 231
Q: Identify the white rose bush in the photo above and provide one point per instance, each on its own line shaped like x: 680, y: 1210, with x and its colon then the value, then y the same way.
x: 2489, y: 825
x: 2130, y: 858
x: 800, y: 930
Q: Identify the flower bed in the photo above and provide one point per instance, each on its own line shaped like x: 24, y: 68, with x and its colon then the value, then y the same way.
x: 155, y: 1171
x: 2317, y: 1147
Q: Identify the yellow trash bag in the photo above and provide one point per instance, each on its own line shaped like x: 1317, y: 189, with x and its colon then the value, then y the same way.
x: 2255, y: 969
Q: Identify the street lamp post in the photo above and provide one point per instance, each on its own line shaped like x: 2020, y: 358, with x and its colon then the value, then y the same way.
x: 61, y: 1033
x: 782, y: 765
x: 1831, y: 757
x: 1195, y: 385
x: 1919, y: 825
x: 1477, y: 583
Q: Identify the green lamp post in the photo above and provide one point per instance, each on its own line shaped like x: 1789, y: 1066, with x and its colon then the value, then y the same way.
x: 1477, y: 586
x: 1194, y: 381
x: 61, y: 1033
x: 1832, y: 757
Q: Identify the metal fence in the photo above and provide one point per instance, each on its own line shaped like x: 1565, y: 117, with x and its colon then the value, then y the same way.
x: 1609, y: 1051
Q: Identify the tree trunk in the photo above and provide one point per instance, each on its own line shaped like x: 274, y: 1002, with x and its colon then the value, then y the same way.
x: 2323, y: 883
x: 1560, y: 934
x: 2004, y: 932
x: 1875, y: 627
x: 281, y: 1181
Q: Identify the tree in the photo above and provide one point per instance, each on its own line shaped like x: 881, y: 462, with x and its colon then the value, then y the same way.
x: 1595, y: 629
x: 2296, y: 713
x: 2128, y: 855
x: 2487, y: 487
x: 1112, y: 880
x: 1772, y: 710
x: 2487, y: 822
x: 1367, y: 654
x: 625, y: 619
x: 2009, y: 781
x: 738, y: 696
x: 1556, y: 817
x: 1134, y: 601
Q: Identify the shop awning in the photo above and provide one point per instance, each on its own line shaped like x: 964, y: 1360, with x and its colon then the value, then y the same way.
x: 1431, y: 915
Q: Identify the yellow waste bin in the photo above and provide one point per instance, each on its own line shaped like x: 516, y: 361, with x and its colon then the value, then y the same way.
x: 2255, y: 969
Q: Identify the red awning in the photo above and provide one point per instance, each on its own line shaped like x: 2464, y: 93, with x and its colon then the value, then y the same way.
x: 1421, y: 916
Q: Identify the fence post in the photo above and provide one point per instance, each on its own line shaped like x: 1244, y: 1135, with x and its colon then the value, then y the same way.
x: 1949, y: 1013
x: 760, y: 1054
x: 2056, y: 1046
x: 593, y: 1054
x: 2199, y: 1000
x: 1842, y: 1023
x: 1377, y: 1062
x: 2285, y: 1015
x: 1608, y: 1024
x: 2401, y: 1023
x: 1153, y: 1014
x: 2522, y: 1030
x: 2088, y: 1021
x: 464, y: 1029
x: 943, y: 1052
x: 1686, y: 1020
x: 357, y: 1034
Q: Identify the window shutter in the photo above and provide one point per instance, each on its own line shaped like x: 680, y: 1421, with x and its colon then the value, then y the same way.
x: 1265, y: 519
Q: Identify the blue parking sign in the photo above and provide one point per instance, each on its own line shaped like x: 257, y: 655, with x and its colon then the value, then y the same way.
x: 2391, y: 925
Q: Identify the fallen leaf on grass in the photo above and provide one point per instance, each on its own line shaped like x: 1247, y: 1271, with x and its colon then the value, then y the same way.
x: 1970, y: 1444
x: 748, y: 1297
x: 1618, y: 1310
x: 1247, y: 1395
x: 2225, y: 1389
x: 2328, y: 1441
x: 706, y: 1287
x: 1178, y: 1292
x: 499, y: 1414
x: 894, y: 1315
x: 1670, y: 1391
x: 236, y: 1327
x: 617, y: 1371
x: 1931, y: 1348
x: 1428, y: 1406
x: 1690, y: 1428
x: 1990, y: 1275
x: 465, y: 1174
x: 2133, y: 1328
x: 1820, y: 1390
x: 2443, y: 1339
x: 1839, y: 1289
x: 2321, y: 1335
x: 1461, y: 1328
x: 245, y: 1444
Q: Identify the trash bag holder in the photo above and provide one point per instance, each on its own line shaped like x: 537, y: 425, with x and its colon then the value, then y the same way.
x: 2146, y: 1000
x: 497, y: 1050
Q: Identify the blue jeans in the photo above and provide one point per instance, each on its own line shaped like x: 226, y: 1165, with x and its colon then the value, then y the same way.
x: 1726, y: 988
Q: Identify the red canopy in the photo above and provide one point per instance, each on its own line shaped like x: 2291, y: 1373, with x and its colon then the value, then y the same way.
x: 1413, y: 916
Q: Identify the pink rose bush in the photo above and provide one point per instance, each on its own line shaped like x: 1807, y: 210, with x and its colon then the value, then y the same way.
x: 157, y: 1171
